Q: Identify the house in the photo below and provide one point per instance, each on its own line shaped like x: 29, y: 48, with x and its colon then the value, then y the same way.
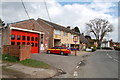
x: 26, y: 32
x: 91, y: 41
x: 84, y: 43
x: 110, y: 44
x: 59, y: 35
x: 105, y: 44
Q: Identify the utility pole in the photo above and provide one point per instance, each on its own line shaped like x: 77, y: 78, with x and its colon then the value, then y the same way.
x: 1, y: 28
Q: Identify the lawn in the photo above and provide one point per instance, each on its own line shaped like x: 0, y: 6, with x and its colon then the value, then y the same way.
x: 27, y: 62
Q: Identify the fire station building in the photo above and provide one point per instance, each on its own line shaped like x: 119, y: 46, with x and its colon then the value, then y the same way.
x: 27, y: 32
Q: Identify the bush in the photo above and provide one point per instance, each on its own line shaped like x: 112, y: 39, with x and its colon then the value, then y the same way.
x: 94, y: 48
x: 7, y: 57
x: 117, y: 48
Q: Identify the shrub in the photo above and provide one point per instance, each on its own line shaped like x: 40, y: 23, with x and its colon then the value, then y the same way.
x: 117, y: 48
x: 94, y: 48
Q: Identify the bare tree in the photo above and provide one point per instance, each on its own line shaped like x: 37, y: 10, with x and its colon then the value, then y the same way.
x: 99, y: 27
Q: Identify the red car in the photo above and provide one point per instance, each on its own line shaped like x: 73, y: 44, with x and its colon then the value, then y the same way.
x: 59, y: 50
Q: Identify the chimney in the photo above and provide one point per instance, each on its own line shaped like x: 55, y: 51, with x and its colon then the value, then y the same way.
x: 68, y: 27
x: 83, y: 34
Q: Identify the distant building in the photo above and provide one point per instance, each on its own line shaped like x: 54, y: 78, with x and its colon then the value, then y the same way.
x: 110, y: 43
x: 84, y: 43
x: 91, y: 41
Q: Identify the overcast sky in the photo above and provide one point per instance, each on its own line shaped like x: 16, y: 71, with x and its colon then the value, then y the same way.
x: 67, y: 13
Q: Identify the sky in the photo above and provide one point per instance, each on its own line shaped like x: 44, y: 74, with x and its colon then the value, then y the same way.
x: 64, y: 12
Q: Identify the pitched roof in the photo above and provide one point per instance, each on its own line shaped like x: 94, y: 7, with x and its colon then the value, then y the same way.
x: 59, y: 27
x: 83, y: 39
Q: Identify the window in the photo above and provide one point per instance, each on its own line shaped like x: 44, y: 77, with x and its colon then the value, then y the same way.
x: 58, y: 32
x: 72, y: 35
x: 32, y: 44
x: 23, y: 43
x: 62, y: 47
x: 28, y: 43
x: 18, y: 43
x: 23, y: 37
x: 13, y: 37
x: 32, y: 38
x: 28, y: 38
x: 65, y: 34
x: 42, y: 38
x: 18, y: 37
x: 36, y: 38
x: 54, y: 47
x: 12, y: 43
x: 36, y: 44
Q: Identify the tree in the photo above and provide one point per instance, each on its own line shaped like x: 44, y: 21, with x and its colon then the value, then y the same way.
x: 99, y: 27
x: 77, y: 29
x: 1, y: 23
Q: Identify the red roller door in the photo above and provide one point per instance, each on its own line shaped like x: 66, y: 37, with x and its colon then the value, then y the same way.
x: 25, y: 38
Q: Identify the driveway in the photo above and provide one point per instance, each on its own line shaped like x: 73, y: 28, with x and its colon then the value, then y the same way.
x: 66, y: 63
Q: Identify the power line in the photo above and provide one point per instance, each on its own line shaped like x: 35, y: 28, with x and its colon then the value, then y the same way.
x: 29, y: 16
x: 25, y: 9
x: 47, y: 10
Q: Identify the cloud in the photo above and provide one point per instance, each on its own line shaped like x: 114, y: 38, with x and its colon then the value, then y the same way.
x: 68, y: 14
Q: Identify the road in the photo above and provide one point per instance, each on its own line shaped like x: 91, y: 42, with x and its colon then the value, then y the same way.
x: 99, y: 64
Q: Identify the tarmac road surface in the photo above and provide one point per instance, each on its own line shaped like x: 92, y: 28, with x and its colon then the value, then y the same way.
x: 99, y: 64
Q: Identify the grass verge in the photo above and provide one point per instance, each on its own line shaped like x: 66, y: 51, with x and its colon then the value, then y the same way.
x: 34, y: 63
x: 27, y: 62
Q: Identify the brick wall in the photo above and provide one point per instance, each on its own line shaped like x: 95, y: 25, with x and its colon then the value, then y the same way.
x: 21, y: 51
x: 48, y: 30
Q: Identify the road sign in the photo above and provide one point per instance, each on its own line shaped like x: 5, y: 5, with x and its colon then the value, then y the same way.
x: 75, y: 39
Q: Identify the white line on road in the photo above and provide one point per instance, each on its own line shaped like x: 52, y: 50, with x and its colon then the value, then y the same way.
x: 112, y: 57
x: 116, y: 60
x: 109, y: 56
x: 75, y: 73
x: 80, y: 62
x: 77, y: 67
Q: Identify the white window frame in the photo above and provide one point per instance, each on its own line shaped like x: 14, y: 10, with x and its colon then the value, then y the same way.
x: 57, y: 32
x: 65, y: 34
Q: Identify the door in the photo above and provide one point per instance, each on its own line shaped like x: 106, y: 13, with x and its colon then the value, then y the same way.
x: 25, y: 38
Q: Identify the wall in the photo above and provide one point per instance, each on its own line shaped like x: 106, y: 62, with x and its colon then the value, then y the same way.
x: 21, y: 51
x: 7, y: 36
x: 48, y: 30
x: 65, y: 39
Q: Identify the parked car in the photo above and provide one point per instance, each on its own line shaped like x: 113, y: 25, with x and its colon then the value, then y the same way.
x: 59, y: 50
x: 88, y: 49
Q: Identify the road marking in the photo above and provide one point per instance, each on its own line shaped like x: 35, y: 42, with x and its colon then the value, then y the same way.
x: 77, y: 67
x: 80, y: 62
x: 109, y: 56
x: 112, y: 57
x: 75, y: 73
x: 116, y: 60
